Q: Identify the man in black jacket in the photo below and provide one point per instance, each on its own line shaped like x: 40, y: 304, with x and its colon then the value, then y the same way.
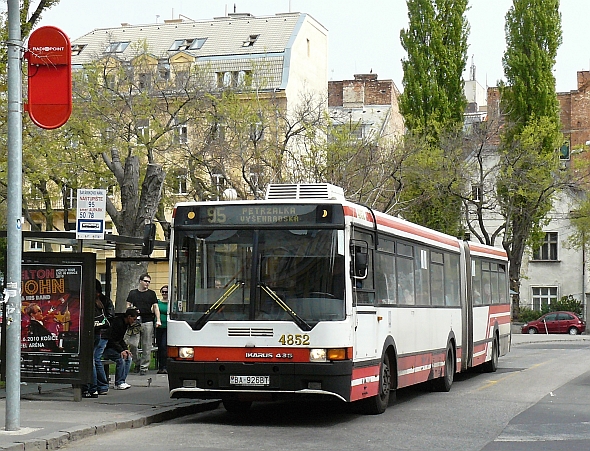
x: 104, y: 311
x: 116, y: 349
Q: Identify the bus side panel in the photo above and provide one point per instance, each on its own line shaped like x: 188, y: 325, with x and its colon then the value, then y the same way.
x: 486, y: 319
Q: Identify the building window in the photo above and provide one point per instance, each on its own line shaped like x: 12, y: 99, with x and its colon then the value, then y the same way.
x: 476, y: 192
x: 543, y: 297
x: 143, y: 130
x: 164, y: 69
x: 256, y: 131
x: 187, y: 44
x: 77, y: 49
x: 564, y: 150
x: 250, y: 41
x: 181, y: 78
x: 198, y: 43
x: 117, y: 47
x: 180, y: 134
x: 548, y: 250
x: 144, y: 81
x: 180, y: 184
x: 244, y: 78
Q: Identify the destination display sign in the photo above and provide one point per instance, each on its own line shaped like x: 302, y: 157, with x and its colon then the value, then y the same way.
x: 257, y: 215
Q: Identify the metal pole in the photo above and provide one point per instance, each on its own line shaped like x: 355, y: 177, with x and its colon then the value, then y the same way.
x: 13, y: 225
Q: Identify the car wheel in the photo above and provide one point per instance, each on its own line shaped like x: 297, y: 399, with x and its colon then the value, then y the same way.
x: 573, y: 331
x: 532, y: 330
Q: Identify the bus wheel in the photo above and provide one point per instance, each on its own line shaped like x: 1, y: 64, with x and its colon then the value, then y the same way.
x: 492, y: 365
x: 235, y: 406
x: 376, y: 405
x: 444, y: 383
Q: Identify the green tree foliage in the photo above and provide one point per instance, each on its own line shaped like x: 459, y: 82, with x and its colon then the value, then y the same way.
x: 431, y: 178
x: 433, y: 104
x: 436, y: 44
x: 528, y: 156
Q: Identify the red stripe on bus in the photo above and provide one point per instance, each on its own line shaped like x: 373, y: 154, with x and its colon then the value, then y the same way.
x: 404, y: 227
x: 360, y: 388
x: 488, y: 250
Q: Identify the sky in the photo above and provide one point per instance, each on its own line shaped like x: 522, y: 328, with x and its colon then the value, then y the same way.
x: 362, y: 35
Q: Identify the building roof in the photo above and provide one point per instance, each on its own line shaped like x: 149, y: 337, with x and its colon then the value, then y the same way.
x: 237, y: 35
x: 233, y: 43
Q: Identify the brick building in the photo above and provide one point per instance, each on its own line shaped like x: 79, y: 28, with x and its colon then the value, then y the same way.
x: 367, y: 103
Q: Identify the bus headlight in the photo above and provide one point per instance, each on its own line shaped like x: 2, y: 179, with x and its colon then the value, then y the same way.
x: 327, y: 355
x: 186, y: 353
x: 317, y: 355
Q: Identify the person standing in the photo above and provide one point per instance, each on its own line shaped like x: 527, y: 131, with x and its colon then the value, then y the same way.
x: 116, y: 348
x: 104, y: 312
x: 161, y: 338
x: 146, y: 303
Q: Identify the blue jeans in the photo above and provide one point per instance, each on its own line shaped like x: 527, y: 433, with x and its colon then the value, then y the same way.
x: 99, y: 379
x: 122, y: 365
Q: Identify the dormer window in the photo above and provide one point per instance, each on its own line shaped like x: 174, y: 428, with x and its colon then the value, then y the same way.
x: 117, y: 47
x: 77, y: 49
x: 250, y: 41
x: 187, y: 44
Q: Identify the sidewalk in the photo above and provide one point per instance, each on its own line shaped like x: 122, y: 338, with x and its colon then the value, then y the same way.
x: 520, y: 338
x: 49, y: 416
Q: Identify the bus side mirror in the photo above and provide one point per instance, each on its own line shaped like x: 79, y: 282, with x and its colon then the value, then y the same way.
x: 361, y: 267
x: 149, y: 236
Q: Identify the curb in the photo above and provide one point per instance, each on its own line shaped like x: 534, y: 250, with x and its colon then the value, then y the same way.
x: 56, y: 440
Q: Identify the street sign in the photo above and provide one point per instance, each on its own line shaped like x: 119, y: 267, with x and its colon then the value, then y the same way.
x: 49, y: 73
x: 90, y: 214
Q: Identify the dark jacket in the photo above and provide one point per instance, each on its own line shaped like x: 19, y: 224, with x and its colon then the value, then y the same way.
x: 103, y: 315
x: 115, y: 334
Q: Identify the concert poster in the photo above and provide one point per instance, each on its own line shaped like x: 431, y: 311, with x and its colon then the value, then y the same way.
x: 54, y: 329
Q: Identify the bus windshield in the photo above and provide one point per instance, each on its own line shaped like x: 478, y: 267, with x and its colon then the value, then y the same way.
x: 258, y: 275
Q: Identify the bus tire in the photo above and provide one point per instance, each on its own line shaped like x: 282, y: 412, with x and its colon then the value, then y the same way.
x: 376, y: 405
x: 444, y: 383
x: 492, y: 365
x: 235, y: 406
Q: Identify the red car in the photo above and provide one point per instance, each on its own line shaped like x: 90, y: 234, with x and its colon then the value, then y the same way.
x: 555, y: 323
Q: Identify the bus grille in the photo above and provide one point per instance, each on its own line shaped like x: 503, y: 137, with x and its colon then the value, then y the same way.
x: 304, y: 191
x: 249, y: 332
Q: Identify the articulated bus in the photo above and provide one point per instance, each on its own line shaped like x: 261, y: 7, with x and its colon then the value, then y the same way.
x: 307, y: 294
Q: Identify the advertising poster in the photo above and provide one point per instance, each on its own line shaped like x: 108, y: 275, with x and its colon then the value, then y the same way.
x: 54, y: 336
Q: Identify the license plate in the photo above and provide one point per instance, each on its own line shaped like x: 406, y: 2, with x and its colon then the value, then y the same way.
x: 252, y: 381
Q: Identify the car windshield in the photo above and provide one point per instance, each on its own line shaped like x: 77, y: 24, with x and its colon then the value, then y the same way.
x: 262, y: 275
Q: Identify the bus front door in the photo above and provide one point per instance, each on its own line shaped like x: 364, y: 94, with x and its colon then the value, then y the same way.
x: 365, y: 341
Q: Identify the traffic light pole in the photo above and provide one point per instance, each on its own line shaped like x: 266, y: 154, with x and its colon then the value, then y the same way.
x: 14, y: 215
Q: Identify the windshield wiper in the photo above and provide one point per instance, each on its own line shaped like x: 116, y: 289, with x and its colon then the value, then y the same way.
x: 275, y: 297
x: 217, y: 304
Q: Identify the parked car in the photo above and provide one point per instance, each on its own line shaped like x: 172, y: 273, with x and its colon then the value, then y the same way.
x: 555, y: 323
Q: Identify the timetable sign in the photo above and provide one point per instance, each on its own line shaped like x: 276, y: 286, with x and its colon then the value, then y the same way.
x: 90, y: 214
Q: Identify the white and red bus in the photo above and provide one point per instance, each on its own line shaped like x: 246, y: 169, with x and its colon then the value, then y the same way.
x: 305, y: 293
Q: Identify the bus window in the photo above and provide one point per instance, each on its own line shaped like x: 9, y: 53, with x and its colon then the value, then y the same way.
x: 494, y: 284
x: 452, y: 279
x: 476, y: 282
x: 385, y: 286
x: 422, y: 277
x: 486, y: 283
x: 437, y: 292
x: 502, y: 283
x: 405, y: 279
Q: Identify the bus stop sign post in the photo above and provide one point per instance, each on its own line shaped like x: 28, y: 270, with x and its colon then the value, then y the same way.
x: 49, y: 57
